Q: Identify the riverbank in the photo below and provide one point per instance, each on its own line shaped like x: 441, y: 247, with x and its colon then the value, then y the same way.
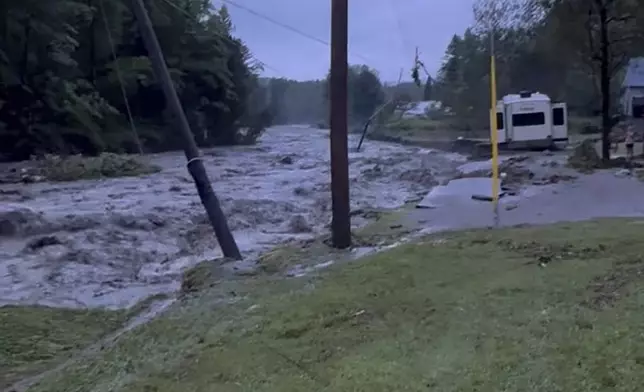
x: 543, y: 190
x: 521, y: 309
x: 113, y: 242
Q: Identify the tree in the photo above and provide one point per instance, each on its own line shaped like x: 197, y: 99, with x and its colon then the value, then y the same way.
x: 552, y: 46
x: 70, y: 68
x: 428, y: 89
x: 602, y: 34
x: 366, y: 92
x: 277, y: 95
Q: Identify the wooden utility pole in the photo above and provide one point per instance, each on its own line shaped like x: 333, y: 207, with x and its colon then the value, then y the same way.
x: 195, y: 164
x: 341, y: 223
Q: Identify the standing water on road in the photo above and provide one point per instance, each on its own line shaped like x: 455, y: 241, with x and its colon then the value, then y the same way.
x: 114, y: 242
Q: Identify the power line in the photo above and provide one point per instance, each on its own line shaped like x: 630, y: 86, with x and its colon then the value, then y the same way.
x: 195, y: 165
x: 119, y: 76
x: 406, y: 43
x: 215, y: 34
x: 276, y: 22
x: 284, y: 26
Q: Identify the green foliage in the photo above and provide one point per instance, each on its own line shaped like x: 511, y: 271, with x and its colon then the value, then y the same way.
x: 366, y: 92
x: 553, y: 47
x: 34, y: 338
x: 297, y: 102
x: 60, y: 77
x: 106, y: 165
x: 428, y: 90
x: 415, y: 124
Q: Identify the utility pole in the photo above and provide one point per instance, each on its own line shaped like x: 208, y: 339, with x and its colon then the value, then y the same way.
x: 341, y: 223
x: 494, y: 135
x: 195, y: 164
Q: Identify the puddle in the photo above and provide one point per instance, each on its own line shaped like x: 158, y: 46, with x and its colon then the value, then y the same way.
x: 479, y: 166
x: 111, y: 243
x: 459, y: 191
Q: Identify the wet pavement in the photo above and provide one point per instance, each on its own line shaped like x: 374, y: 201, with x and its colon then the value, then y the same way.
x: 114, y: 242
x: 599, y: 195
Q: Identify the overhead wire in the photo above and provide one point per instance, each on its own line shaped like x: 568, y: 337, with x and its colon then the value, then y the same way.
x: 403, y: 38
x: 218, y: 35
x: 287, y: 27
x: 406, y: 43
x: 119, y: 76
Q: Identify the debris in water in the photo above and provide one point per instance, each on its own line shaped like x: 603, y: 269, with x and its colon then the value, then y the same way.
x: 298, y: 224
x: 125, y: 239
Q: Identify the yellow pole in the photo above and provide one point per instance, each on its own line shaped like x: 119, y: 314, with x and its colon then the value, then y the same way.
x: 494, y: 133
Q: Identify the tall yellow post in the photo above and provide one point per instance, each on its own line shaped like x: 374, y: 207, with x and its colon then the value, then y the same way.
x: 494, y: 133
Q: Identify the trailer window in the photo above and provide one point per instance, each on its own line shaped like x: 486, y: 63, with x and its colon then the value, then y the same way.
x: 499, y: 121
x: 558, y: 117
x: 528, y: 119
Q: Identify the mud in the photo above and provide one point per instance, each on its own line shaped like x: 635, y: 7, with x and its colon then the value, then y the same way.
x: 110, y: 243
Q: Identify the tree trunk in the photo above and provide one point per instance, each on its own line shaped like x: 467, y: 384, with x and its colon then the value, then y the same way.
x: 604, y: 78
x: 92, y: 45
x: 24, y: 60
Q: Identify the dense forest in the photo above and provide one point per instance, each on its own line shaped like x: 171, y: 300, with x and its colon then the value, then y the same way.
x: 75, y: 78
x: 307, y: 102
x: 573, y: 50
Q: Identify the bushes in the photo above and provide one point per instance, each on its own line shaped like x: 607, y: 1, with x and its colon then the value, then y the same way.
x: 107, y: 165
x: 431, y: 125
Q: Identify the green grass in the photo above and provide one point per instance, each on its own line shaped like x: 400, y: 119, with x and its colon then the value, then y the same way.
x: 387, y: 228
x: 417, y: 124
x: 555, y: 308
x: 432, y: 126
x: 35, y: 338
x: 429, y: 133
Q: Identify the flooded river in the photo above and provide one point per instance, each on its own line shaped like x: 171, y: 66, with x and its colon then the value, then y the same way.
x: 110, y: 243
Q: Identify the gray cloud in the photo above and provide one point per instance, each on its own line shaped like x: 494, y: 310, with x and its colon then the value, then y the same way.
x: 382, y: 33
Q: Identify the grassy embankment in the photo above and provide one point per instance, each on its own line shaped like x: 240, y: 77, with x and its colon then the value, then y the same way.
x: 33, y: 339
x: 556, y: 308
x: 426, y: 132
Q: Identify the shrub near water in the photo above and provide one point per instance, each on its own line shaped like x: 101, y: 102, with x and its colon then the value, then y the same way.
x: 106, y: 165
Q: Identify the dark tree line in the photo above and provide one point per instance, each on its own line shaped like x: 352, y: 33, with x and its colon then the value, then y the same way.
x: 71, y: 69
x: 294, y: 102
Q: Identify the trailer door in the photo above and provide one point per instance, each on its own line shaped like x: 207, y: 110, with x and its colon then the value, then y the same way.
x: 500, y: 123
x: 559, y: 122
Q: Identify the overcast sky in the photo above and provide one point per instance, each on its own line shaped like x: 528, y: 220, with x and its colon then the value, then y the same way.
x: 382, y: 33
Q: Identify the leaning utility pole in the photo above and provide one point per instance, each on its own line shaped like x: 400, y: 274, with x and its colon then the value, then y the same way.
x: 195, y: 164
x: 341, y: 223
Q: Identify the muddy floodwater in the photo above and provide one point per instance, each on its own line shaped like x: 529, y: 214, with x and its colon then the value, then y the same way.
x: 111, y: 243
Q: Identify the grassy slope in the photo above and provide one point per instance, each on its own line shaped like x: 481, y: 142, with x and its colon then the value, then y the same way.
x: 35, y: 338
x: 424, y: 132
x: 460, y: 312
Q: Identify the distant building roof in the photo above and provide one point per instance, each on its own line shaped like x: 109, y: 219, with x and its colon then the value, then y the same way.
x: 634, y: 73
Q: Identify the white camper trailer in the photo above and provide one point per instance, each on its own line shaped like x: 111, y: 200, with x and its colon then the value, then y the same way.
x: 531, y: 120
